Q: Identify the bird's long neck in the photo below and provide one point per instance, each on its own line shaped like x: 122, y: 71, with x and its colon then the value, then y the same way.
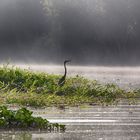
x: 65, y: 69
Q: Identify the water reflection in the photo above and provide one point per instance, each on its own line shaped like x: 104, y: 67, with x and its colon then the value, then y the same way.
x: 101, y: 133
x: 15, y: 135
x: 120, y: 122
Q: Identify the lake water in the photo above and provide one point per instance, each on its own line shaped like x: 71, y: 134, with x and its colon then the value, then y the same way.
x: 126, y: 77
x: 121, y: 122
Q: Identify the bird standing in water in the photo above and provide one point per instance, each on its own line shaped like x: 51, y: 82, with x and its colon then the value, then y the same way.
x: 62, y: 80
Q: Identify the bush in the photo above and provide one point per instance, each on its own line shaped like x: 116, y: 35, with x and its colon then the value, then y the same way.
x: 23, y: 119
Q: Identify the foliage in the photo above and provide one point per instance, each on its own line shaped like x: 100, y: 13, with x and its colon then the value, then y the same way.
x: 22, y: 119
x: 40, y: 89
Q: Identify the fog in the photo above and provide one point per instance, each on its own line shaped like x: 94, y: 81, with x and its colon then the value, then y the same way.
x: 90, y: 32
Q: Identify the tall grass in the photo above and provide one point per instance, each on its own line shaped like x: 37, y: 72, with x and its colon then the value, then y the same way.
x: 40, y: 89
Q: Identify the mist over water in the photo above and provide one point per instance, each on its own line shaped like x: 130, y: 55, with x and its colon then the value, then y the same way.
x: 125, y: 77
x: 90, y: 32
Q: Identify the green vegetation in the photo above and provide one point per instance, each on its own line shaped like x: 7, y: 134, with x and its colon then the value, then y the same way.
x: 23, y: 119
x: 24, y: 87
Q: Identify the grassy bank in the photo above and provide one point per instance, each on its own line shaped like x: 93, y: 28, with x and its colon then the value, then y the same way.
x: 24, y: 87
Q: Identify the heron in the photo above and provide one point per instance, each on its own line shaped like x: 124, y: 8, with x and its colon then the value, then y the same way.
x: 63, y: 78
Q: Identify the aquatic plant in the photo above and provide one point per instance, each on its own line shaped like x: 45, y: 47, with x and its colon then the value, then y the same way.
x: 23, y: 119
x: 29, y: 88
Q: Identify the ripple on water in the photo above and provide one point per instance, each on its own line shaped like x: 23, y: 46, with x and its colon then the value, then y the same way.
x: 115, y: 123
